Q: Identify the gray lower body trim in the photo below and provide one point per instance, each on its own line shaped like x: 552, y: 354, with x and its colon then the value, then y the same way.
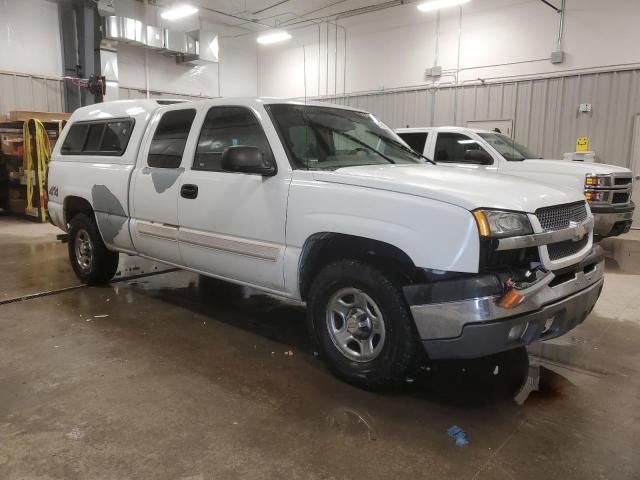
x: 158, y: 230
x: 241, y: 246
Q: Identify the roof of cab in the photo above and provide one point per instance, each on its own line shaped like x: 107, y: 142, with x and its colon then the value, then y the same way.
x: 144, y: 107
x: 444, y: 127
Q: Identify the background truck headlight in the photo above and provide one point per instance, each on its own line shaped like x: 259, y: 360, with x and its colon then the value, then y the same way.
x: 595, y: 180
x: 499, y: 224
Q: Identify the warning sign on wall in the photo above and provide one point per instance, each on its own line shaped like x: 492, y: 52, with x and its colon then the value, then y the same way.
x: 582, y: 144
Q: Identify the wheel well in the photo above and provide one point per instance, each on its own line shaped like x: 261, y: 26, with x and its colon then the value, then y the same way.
x: 75, y: 205
x: 323, y: 248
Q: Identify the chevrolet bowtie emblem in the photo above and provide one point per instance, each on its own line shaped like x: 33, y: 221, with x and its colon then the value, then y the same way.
x: 580, y: 230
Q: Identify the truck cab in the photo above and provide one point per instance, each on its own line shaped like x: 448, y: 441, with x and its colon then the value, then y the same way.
x: 607, y: 188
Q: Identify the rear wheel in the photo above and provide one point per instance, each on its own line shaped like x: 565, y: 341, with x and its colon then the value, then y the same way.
x: 91, y: 260
x: 361, y: 324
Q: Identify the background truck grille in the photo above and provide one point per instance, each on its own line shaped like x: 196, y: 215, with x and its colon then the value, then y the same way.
x: 566, y: 248
x: 620, y: 197
x: 622, y: 180
x: 559, y: 216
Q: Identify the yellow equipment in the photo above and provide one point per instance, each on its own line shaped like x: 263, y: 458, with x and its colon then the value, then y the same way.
x: 42, y: 157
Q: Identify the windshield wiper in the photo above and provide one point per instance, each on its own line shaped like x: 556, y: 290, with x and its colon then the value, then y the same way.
x: 360, y: 142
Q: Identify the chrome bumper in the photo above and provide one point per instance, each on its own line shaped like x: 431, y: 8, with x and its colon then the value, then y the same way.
x: 572, y: 292
x: 481, y: 339
x: 606, y: 219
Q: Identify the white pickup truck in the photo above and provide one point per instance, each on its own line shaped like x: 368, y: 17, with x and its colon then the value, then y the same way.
x: 326, y: 205
x: 606, y: 187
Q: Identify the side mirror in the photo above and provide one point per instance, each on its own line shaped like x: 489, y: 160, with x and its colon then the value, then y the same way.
x: 245, y: 159
x: 480, y: 157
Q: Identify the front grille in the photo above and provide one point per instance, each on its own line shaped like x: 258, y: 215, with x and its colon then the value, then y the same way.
x: 560, y: 217
x: 620, y: 197
x: 566, y: 248
x: 622, y: 180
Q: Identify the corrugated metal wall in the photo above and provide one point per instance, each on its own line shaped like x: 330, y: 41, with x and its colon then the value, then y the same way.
x: 45, y: 94
x: 30, y: 92
x: 135, y: 93
x: 544, y: 112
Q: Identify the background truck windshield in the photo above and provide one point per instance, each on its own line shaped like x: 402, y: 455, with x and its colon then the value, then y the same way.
x: 330, y: 138
x: 509, y: 149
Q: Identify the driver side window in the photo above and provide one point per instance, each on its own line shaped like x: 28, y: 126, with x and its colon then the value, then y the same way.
x: 225, y: 127
x: 451, y: 147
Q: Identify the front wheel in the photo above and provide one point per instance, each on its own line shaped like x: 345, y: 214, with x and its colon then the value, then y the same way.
x: 92, y: 262
x: 361, y: 324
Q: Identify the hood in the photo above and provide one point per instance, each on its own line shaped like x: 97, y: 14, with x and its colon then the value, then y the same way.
x: 565, y: 173
x: 469, y: 190
x: 570, y: 166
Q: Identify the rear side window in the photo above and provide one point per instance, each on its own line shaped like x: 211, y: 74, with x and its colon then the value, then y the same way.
x: 74, y: 141
x: 225, y: 127
x: 116, y: 136
x: 103, y: 137
x: 170, y: 139
x: 416, y: 140
x: 94, y: 137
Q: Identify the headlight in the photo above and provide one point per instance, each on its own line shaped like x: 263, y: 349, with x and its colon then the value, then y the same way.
x: 597, y: 180
x: 498, y: 223
x: 595, y: 196
x: 593, y: 181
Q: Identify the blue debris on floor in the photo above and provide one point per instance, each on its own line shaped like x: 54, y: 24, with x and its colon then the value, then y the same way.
x: 459, y: 435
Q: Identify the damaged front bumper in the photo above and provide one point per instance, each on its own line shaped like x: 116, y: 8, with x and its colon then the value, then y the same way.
x: 462, y: 318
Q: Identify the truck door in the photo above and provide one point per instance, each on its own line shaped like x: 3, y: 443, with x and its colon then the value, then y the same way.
x: 463, y: 151
x: 232, y: 225
x: 156, y: 183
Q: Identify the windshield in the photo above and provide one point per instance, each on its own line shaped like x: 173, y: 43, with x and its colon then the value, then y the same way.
x: 324, y: 138
x: 509, y: 149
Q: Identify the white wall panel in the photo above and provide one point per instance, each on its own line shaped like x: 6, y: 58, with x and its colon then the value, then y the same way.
x: 29, y: 37
x: 500, y: 40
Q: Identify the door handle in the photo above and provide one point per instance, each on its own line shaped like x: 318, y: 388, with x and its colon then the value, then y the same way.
x: 189, y: 191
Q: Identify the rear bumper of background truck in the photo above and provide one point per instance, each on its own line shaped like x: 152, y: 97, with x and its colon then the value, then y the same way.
x: 612, y: 220
x: 474, y: 325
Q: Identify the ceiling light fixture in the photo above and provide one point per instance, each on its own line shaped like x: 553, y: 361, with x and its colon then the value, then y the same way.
x: 432, y: 5
x: 177, y: 12
x: 273, y: 37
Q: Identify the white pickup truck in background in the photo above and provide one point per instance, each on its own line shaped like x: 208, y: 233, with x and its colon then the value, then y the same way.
x: 328, y: 206
x: 606, y: 187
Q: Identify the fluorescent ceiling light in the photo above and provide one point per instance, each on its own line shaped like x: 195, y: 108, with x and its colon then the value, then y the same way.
x: 273, y: 37
x: 432, y: 5
x: 178, y: 11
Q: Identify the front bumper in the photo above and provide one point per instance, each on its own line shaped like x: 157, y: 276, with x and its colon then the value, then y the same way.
x: 474, y: 325
x: 612, y: 220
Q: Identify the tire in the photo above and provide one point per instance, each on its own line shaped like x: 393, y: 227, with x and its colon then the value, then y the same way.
x: 92, y: 262
x: 370, y: 362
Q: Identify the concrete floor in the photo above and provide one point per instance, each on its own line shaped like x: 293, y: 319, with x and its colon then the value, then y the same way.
x: 170, y: 377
